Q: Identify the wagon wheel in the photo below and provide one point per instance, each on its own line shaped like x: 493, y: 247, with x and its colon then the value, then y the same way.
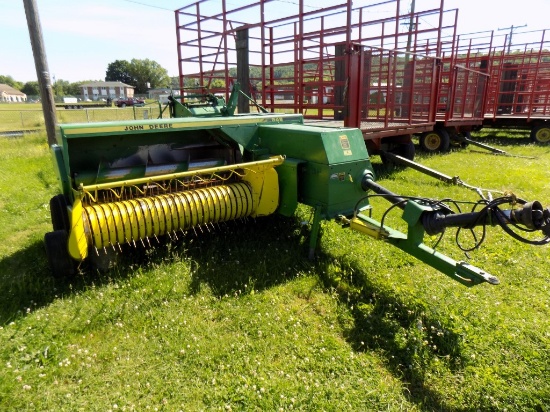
x: 59, y: 213
x: 405, y: 150
x: 464, y: 143
x: 437, y: 140
x: 541, y: 134
x: 61, y: 263
x: 459, y: 140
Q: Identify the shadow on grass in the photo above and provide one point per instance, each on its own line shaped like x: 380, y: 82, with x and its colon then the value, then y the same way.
x: 411, y: 337
x: 25, y: 282
x: 249, y: 255
x: 234, y: 256
x: 502, y: 137
x: 241, y: 256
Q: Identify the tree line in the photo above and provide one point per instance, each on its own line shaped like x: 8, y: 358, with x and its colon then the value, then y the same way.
x: 142, y: 74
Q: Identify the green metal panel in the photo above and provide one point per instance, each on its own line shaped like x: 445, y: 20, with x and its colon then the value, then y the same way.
x: 335, y: 160
x: 62, y: 176
x: 127, y: 149
x: 313, y: 143
x: 288, y: 186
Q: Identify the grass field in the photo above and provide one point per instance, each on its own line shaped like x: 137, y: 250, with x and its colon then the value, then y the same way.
x: 239, y: 318
x: 29, y: 116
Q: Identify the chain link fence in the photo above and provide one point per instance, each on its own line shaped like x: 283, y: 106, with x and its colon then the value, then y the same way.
x: 33, y: 119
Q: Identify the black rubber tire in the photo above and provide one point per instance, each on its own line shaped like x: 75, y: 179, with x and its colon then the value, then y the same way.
x: 541, y: 134
x: 62, y: 265
x: 467, y: 135
x: 437, y: 140
x: 59, y: 213
x: 405, y: 150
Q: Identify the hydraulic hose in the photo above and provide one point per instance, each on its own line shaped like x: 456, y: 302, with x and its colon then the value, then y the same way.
x: 530, y: 215
x: 368, y: 183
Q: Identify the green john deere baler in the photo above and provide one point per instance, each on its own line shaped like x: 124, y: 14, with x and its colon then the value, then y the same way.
x: 133, y: 181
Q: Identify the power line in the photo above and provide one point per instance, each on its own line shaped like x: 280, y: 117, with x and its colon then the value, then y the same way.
x: 235, y: 4
x: 511, y: 28
x: 147, y: 5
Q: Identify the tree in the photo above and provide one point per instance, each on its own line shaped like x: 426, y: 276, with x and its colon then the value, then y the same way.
x: 142, y: 74
x: 60, y: 87
x: 31, y: 89
x: 11, y: 82
x: 73, y: 89
x: 120, y: 70
x: 175, y: 82
x: 148, y: 74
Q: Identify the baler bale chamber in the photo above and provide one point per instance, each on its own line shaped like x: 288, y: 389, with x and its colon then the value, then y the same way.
x: 137, y: 181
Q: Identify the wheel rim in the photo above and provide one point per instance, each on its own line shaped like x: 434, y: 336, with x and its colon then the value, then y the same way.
x: 432, y: 141
x: 543, y: 135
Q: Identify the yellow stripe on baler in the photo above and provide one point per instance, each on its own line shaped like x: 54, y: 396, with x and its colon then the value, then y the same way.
x: 78, y: 243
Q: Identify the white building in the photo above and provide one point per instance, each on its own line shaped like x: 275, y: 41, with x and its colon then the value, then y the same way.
x: 9, y: 94
x: 104, y: 90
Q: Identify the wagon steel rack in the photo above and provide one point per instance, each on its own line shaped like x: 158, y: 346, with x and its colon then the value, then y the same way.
x: 518, y: 94
x: 462, y: 83
x: 336, y: 64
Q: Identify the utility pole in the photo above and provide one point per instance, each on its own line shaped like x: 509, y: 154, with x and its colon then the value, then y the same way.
x: 412, y: 26
x: 512, y: 28
x: 42, y: 71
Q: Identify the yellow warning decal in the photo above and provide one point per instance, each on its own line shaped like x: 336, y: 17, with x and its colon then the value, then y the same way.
x: 344, y: 144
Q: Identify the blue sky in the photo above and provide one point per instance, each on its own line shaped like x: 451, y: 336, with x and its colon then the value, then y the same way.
x: 82, y: 37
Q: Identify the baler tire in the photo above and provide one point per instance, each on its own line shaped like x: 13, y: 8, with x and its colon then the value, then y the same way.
x: 59, y: 213
x: 56, y: 244
x: 437, y: 140
x: 541, y: 134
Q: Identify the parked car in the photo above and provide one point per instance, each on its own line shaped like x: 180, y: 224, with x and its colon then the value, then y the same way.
x: 131, y: 101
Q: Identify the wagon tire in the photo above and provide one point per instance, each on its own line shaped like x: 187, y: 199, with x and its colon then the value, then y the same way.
x: 405, y: 150
x: 437, y: 140
x: 541, y: 134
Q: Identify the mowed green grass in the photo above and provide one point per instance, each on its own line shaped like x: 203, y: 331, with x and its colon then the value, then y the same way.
x: 29, y: 116
x: 238, y: 318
